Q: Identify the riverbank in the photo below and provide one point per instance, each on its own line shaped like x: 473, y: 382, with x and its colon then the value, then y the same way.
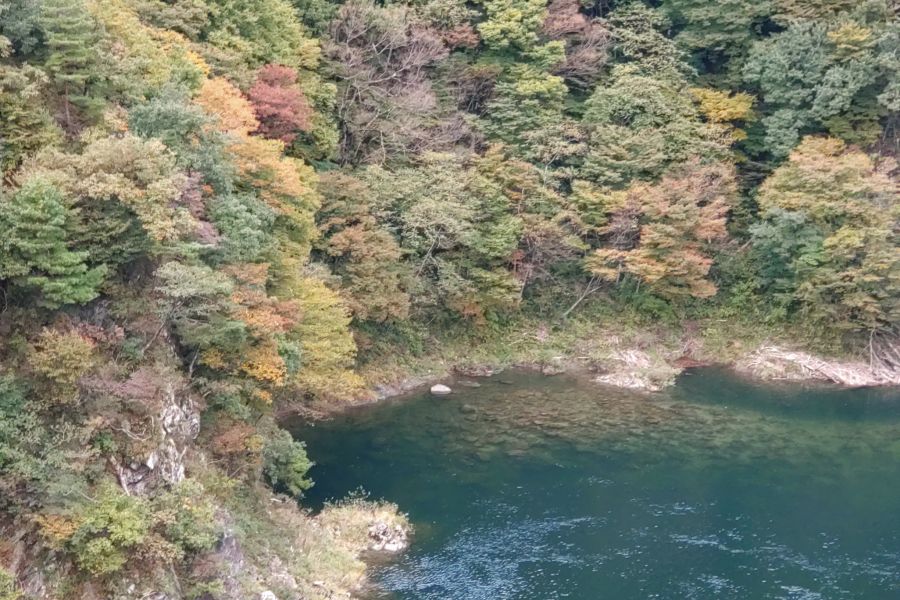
x: 279, y: 551
x: 269, y: 549
x: 626, y: 353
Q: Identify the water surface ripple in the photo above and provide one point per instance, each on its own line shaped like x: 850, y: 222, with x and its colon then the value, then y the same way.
x: 536, y: 488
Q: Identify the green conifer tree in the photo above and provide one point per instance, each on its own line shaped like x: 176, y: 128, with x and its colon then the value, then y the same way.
x: 34, y: 253
x: 72, y: 54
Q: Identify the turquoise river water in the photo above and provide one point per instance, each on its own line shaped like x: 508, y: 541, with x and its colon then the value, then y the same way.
x: 538, y: 488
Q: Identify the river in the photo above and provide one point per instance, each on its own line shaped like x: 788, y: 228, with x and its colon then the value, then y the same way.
x: 537, y: 488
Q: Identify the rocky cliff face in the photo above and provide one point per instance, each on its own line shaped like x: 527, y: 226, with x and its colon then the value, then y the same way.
x: 174, y: 429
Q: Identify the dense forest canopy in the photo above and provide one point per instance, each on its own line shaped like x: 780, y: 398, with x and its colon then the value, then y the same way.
x: 229, y: 206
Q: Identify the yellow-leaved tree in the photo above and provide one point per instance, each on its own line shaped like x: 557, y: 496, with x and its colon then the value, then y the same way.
x: 301, y: 327
x: 673, y: 224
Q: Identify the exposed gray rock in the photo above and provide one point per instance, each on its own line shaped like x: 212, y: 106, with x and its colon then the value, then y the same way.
x: 390, y: 390
x: 230, y: 560
x: 176, y: 426
x: 439, y: 389
x: 387, y: 538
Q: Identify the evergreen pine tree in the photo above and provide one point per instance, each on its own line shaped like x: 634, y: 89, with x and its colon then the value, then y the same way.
x: 34, y: 253
x: 72, y: 58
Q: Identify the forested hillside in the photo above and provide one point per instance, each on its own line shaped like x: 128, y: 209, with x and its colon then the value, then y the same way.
x: 215, y: 209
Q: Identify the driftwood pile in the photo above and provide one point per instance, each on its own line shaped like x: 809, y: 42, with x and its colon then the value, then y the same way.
x: 883, y: 367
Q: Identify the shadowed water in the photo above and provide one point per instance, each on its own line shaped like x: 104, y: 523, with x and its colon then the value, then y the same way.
x: 539, y: 488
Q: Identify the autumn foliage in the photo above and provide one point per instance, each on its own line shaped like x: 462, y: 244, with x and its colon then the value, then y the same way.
x: 681, y: 218
x: 213, y: 211
x: 280, y: 106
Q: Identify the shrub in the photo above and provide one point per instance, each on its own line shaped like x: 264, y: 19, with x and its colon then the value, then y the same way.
x: 8, y: 588
x: 60, y: 359
x: 285, y: 464
x: 27, y: 458
x: 188, y: 517
x: 109, y: 530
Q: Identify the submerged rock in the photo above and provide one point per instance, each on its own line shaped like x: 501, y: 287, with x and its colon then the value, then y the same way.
x: 477, y: 370
x: 631, y: 381
x: 554, y: 366
x: 440, y: 389
x: 552, y: 369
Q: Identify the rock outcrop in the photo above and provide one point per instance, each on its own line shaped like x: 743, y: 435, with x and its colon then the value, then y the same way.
x: 173, y: 430
x: 385, y: 537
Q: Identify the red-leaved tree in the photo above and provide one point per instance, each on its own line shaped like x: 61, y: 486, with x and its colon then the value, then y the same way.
x: 280, y: 105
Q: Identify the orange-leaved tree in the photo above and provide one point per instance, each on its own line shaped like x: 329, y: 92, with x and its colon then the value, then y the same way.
x: 680, y: 219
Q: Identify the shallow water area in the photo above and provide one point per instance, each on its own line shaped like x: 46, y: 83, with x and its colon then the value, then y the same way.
x: 536, y: 488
